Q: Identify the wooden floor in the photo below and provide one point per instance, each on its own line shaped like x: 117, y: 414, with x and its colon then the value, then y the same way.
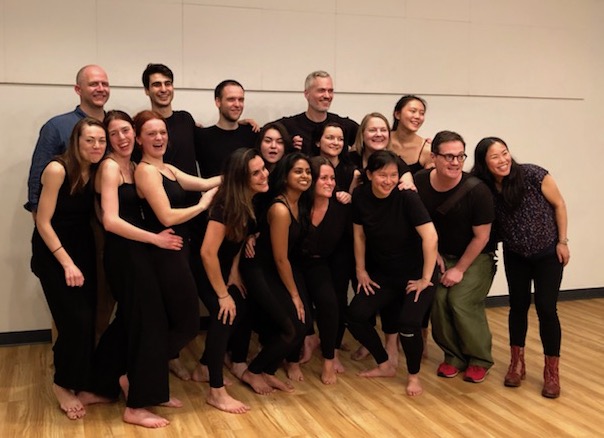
x: 354, y: 407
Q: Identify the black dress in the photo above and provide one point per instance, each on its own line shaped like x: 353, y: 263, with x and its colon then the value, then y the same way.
x: 73, y: 308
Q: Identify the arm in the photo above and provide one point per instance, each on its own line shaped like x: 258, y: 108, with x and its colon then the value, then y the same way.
x: 255, y: 126
x: 49, y: 144
x: 363, y: 278
x: 112, y: 222
x: 209, y: 256
x: 406, y: 182
x: 149, y: 185
x: 425, y: 157
x: 454, y: 275
x: 52, y: 179
x: 279, y: 221
x: 194, y: 183
x: 430, y: 251
x: 554, y: 197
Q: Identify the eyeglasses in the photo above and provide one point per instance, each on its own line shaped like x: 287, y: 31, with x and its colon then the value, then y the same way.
x: 450, y: 157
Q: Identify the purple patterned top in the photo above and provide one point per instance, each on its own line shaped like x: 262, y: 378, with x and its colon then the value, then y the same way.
x: 531, y: 228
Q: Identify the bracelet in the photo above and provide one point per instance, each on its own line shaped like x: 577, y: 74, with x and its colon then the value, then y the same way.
x: 563, y: 241
x: 222, y: 298
x: 57, y: 249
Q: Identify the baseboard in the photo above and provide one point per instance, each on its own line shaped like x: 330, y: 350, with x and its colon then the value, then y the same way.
x: 39, y: 336
x: 565, y: 295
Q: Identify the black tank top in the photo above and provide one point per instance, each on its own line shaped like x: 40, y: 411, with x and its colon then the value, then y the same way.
x: 178, y: 199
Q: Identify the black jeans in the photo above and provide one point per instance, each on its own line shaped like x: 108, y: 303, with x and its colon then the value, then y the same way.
x: 545, y: 271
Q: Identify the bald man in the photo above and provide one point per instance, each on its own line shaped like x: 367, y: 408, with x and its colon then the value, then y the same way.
x: 92, y: 86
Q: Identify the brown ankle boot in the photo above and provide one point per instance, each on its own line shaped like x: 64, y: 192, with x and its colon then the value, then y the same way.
x: 551, y: 380
x: 517, y: 370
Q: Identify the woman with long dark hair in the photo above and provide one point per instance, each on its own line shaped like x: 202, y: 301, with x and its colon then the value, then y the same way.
x: 64, y: 259
x: 532, y: 222
x: 330, y: 233
x: 231, y: 218
x: 273, y: 276
x: 409, y: 115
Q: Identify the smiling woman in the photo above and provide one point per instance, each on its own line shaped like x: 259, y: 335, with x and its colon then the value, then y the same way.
x: 64, y: 258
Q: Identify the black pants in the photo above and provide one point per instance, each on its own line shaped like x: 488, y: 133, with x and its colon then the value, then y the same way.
x: 321, y: 292
x: 391, y: 296
x: 136, y: 341
x: 545, y: 271
x: 221, y: 336
x: 283, y: 333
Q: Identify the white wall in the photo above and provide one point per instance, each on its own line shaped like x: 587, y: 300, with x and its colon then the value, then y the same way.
x: 528, y: 71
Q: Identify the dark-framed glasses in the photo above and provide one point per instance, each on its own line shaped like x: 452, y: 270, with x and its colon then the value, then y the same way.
x: 450, y: 157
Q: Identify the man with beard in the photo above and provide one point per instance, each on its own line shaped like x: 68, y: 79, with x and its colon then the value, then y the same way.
x: 318, y: 91
x: 215, y: 143
x: 92, y: 86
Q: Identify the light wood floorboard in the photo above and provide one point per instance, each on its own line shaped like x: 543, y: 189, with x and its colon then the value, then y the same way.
x: 354, y: 407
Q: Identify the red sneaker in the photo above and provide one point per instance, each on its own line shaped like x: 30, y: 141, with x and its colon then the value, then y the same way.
x: 475, y: 374
x: 446, y: 370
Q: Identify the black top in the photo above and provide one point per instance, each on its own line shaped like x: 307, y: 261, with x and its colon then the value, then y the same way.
x: 392, y: 244
x: 213, y: 145
x: 323, y: 239
x: 455, y: 229
x: 228, y: 248
x: 130, y: 204
x: 344, y: 175
x: 264, y: 249
x: 178, y: 199
x: 301, y: 125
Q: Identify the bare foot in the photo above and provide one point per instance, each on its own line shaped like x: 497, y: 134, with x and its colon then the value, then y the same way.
x: 360, y: 353
x: 425, y: 339
x: 202, y: 374
x: 329, y: 374
x: 344, y: 347
x: 238, y: 368
x: 310, y: 345
x: 70, y: 404
x: 257, y: 382
x: 414, y: 386
x: 178, y: 369
x: 275, y: 383
x: 143, y: 417
x: 90, y: 398
x: 385, y: 369
x: 337, y: 365
x: 172, y: 403
x: 220, y: 399
x: 392, y: 344
x: 294, y: 372
x: 125, y: 385
x: 227, y: 360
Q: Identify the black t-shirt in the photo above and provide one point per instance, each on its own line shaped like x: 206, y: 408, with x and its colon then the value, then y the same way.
x: 181, y: 142
x: 304, y: 127
x: 228, y: 249
x: 213, y: 145
x: 455, y: 229
x: 392, y: 245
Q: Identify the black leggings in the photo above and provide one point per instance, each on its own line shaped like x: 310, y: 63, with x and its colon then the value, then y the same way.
x: 391, y: 295
x: 220, y: 336
x: 284, y: 334
x: 546, y: 272
x: 320, y: 288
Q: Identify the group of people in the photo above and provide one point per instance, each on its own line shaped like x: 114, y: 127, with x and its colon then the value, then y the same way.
x: 269, y: 227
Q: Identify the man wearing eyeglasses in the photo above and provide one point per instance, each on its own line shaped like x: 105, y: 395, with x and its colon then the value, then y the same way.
x: 462, y: 210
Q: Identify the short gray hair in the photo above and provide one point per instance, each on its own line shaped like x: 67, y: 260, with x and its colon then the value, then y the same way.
x: 311, y: 77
